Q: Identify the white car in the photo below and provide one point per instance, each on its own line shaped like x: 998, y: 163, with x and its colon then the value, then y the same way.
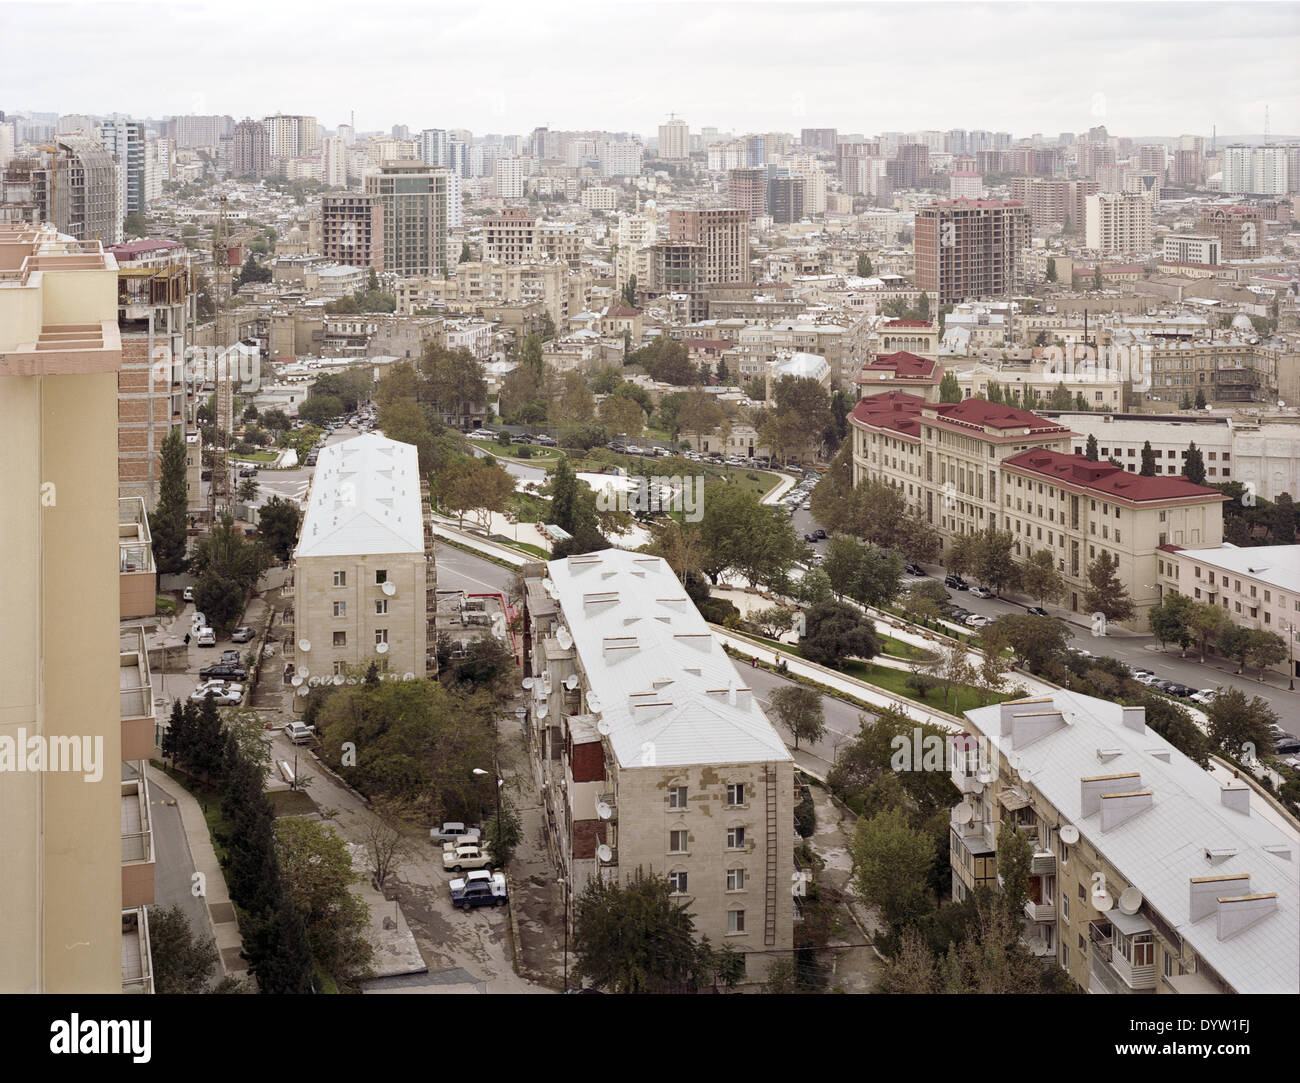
x: 1204, y: 697
x: 188, y: 594
x: 1147, y: 679
x: 299, y: 732
x: 206, y: 637
x: 980, y: 592
x: 976, y: 621
x: 226, y: 693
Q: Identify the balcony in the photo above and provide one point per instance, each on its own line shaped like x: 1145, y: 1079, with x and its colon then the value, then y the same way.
x: 137, y: 844
x: 135, y: 564
x: 135, y: 697
x: 610, y: 799
x: 1110, y: 963
x: 137, y: 960
x: 1041, y: 912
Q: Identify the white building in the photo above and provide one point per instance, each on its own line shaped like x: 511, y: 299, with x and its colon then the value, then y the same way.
x: 600, y: 199
x: 1260, y: 171
x: 334, y: 163
x: 1193, y: 248
x: 674, y: 139
x: 508, y: 178
x: 965, y: 185
x: 1118, y: 223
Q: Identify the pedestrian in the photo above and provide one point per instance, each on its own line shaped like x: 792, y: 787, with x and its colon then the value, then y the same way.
x: 753, y: 661
x: 187, y: 639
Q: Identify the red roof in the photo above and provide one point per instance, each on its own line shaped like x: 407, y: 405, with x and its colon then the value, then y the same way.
x: 1107, y: 479
x: 904, y: 366
x: 992, y: 415
x: 621, y: 311
x: 894, y: 410
x: 903, y: 413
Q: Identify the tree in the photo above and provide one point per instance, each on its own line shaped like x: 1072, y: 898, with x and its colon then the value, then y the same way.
x: 564, y: 495
x: 924, y: 601
x: 1284, y: 520
x: 774, y: 621
x: 1105, y: 593
x: 891, y: 863
x: 1090, y: 449
x: 622, y: 415
x: 698, y: 414
x: 134, y: 225
x: 1208, y: 623
x: 248, y: 490
x: 1039, y: 577
x: 864, y: 265
x: 963, y: 552
x: 949, y: 389
x: 799, y: 710
x: 1171, y: 621
x: 1148, y: 461
x: 1015, y: 856
x: 954, y: 670
x: 167, y: 524
x: 252, y: 271
x: 629, y: 292
x: 740, y: 534
x: 182, y: 961
x: 453, y: 383
x: 993, y: 565
x: 1096, y: 277
x: 277, y: 521
x: 1234, y: 723
x: 1060, y: 398
x: 1051, y: 270
x: 1035, y: 640
x: 1264, y: 649
x: 464, y: 253
x: 635, y: 938
x: 1194, y: 465
x: 1200, y: 398
x: 835, y: 631
x: 318, y: 408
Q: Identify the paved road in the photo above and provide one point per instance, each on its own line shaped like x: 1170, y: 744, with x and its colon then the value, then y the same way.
x: 173, y: 863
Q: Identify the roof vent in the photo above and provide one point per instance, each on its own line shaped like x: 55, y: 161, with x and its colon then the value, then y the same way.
x: 1161, y: 754
x: 1135, y: 719
x: 1105, y: 755
x: 1204, y: 892
x: 1091, y: 789
x: 1236, y: 798
x: 1238, y: 913
x: 1118, y: 808
x: 1220, y: 855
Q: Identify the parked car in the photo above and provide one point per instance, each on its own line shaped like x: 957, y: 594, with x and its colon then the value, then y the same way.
x: 1286, y: 746
x: 547, y: 441
x: 480, y: 888
x: 465, y: 854
x: 188, y: 594
x: 617, y: 448
x: 299, y: 732
x: 1036, y: 611
x: 225, y: 670
x: 980, y: 592
x: 956, y: 582
x: 1205, y: 696
x: 976, y: 621
x: 230, y: 657
x: 1182, y: 691
x: 960, y: 614
x: 915, y: 569
x: 821, y: 534
x: 242, y: 634
x: 1147, y: 679
x: 806, y: 506
x: 225, y: 693
x: 248, y: 472
x: 451, y: 832
x: 206, y: 637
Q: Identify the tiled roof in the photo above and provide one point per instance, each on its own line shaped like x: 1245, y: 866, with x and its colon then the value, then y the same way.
x: 1107, y: 479
x: 901, y: 364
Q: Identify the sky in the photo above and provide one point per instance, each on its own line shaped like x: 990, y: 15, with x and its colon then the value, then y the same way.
x: 1142, y: 69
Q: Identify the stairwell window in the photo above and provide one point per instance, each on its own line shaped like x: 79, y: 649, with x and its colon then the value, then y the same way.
x: 340, y: 609
x: 735, y: 922
x: 735, y: 838
x: 677, y: 842
x: 381, y: 635
x: 677, y: 881
x: 340, y: 579
x: 736, y: 795
x: 340, y: 639
x: 381, y: 576
x: 381, y: 607
x: 677, y: 797
x: 735, y: 879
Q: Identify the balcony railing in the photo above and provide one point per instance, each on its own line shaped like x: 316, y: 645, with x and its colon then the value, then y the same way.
x: 137, y: 959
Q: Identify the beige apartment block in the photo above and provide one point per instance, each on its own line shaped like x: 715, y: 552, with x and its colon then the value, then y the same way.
x: 1148, y: 875
x: 653, y: 754
x: 61, y: 668
x: 364, y: 576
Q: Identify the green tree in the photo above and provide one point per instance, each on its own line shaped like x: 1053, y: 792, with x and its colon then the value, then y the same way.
x: 135, y: 225
x: 167, y: 524
x: 454, y: 383
x: 891, y: 864
x: 1096, y: 277
x: 1051, y: 270
x: 994, y: 566
x: 320, y: 408
x: 183, y: 962
x: 742, y: 535
x: 1035, y: 640
x: 277, y: 521
x: 949, y: 390
x: 635, y: 938
x: 1171, y: 621
x: 1200, y: 398
x: 1194, y: 465
x: 864, y: 265
x: 464, y: 253
x: 1234, y: 723
x: 1148, y: 461
x: 1264, y: 649
x: 835, y: 631
x: 1015, y: 856
x: 1090, y: 449
x: 799, y: 710
x: 1284, y: 520
x: 1105, y: 592
x: 1208, y: 622
x: 629, y: 292
x: 1039, y: 577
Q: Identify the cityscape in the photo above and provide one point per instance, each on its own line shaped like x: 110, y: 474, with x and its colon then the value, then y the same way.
x: 722, y: 536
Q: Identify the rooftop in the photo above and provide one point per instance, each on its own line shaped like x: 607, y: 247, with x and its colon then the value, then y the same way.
x: 1106, y: 479
x: 1275, y: 564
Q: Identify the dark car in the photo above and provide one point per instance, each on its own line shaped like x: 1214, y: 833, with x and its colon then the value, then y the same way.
x: 1182, y: 691
x: 222, y: 670
x: 1165, y: 686
x: 956, y: 582
x: 914, y: 569
x: 206, y: 475
x: 810, y: 537
x: 821, y: 534
x: 547, y: 441
x: 959, y: 614
x: 617, y: 447
x: 248, y: 472
x: 1286, y: 745
x: 1036, y: 611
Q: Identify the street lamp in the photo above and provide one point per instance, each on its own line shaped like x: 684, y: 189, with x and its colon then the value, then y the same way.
x: 1290, y: 642
x: 500, y: 782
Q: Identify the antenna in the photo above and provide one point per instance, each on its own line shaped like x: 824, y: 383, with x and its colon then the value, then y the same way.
x: 1266, y: 126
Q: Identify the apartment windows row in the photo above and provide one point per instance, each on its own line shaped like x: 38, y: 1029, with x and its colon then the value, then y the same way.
x: 381, y: 608
x: 679, y: 839
x: 677, y: 796
x: 341, y: 638
x: 341, y: 578
x: 679, y: 880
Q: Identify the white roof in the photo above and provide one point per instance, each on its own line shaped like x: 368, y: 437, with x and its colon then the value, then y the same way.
x: 809, y: 366
x: 1161, y: 849
x: 365, y: 499
x: 1278, y: 565
x: 667, y: 689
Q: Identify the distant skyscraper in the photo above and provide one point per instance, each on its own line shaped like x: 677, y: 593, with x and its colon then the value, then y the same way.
x: 1259, y: 171
x: 435, y: 147
x: 252, y: 149
x: 352, y: 229
x: 124, y: 140
x: 747, y: 189
x: 818, y: 139
x: 674, y: 139
x: 413, y: 199
x: 970, y: 249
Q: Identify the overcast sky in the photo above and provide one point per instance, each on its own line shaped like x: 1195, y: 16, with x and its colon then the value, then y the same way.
x: 1141, y: 69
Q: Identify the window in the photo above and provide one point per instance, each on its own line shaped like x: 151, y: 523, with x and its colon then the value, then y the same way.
x: 340, y: 579
x: 381, y: 635
x: 1082, y: 894
x: 340, y: 609
x: 1144, y: 952
x: 381, y: 576
x: 677, y: 881
x: 735, y: 879
x: 381, y: 607
x: 340, y: 639
x: 1065, y: 957
x: 735, y: 838
x: 676, y: 796
x: 677, y: 842
x: 735, y: 921
x: 338, y: 668
x: 736, y: 794
x: 1065, y: 907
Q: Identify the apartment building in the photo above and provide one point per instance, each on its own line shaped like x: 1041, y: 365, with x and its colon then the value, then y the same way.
x: 1032, y: 384
x: 747, y: 189
x: 352, y: 229
x: 1118, y: 223
x: 1260, y: 171
x: 1258, y: 587
x: 364, y: 577
x: 703, y: 248
x: 818, y: 139
x: 562, y: 242
x: 653, y: 755
x: 674, y: 140
x: 413, y: 199
x: 511, y: 237
x: 561, y: 291
x: 970, y: 249
x: 291, y: 135
x: 1054, y: 202
x: 785, y: 198
x: 1203, y: 249
x: 77, y: 849
x: 156, y: 311
x: 965, y: 184
x: 124, y: 140
x: 1230, y: 369
x: 970, y: 465
x: 73, y: 183
x: 1148, y: 875
x: 1240, y: 230
x: 841, y: 343
x: 598, y: 198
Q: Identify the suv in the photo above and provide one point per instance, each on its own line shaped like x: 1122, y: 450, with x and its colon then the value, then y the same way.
x: 226, y: 670
x: 956, y: 582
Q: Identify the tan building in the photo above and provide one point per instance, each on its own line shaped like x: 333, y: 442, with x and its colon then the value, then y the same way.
x: 77, y: 850
x: 653, y: 755
x: 414, y: 200
x: 971, y: 248
x: 971, y: 465
x: 352, y: 229
x: 561, y: 291
x: 511, y: 237
x: 1148, y: 875
x: 1119, y: 223
x: 364, y: 576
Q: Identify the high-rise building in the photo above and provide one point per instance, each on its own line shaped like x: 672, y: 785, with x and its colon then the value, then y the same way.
x: 1260, y: 171
x: 435, y: 147
x: 785, y: 197
x: 1204, y: 249
x: 78, y: 849
x: 819, y: 139
x: 191, y: 132
x: 1188, y: 167
x: 252, y: 149
x: 674, y: 139
x: 618, y: 158
x: 1054, y: 202
x: 1240, y: 230
x: 1151, y: 158
x: 511, y: 237
x: 965, y: 184
x: 508, y: 177
x: 703, y: 248
x: 352, y: 229
x: 1119, y: 223
x: 970, y: 249
x: 292, y: 135
x: 74, y: 184
x: 916, y: 164
x: 747, y: 189
x: 124, y: 140
x: 413, y: 199
x: 334, y: 162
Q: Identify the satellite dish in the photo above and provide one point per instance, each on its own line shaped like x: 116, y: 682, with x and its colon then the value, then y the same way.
x: 1069, y: 834
x: 304, y: 691
x: 297, y: 681
x: 1130, y: 900
x: 1102, y: 902
x: 593, y: 702
x: 381, y: 648
x: 407, y: 676
x: 963, y: 814
x: 564, y: 638
x: 303, y: 671
x: 541, y: 711
x: 604, y: 728
x: 338, y: 678
x: 571, y: 681
x: 528, y: 682
x: 389, y: 587
x: 603, y: 810
x: 353, y: 680
x: 604, y: 853
x: 304, y: 645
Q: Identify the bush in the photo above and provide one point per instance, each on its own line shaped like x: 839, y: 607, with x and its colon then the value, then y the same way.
x: 805, y: 816
x: 525, y: 451
x: 243, y: 448
x: 718, y: 610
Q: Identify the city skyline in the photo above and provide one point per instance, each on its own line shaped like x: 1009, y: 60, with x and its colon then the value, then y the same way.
x: 1074, y: 68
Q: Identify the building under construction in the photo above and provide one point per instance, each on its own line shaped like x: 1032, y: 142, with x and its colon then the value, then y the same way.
x: 72, y: 183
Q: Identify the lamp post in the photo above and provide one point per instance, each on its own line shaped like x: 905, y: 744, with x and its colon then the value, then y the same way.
x: 564, y: 880
x: 1290, y: 642
x: 500, y: 782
